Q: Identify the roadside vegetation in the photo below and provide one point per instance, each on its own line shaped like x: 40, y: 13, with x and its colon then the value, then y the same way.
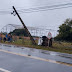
x: 62, y: 43
x: 65, y: 31
x: 64, y: 47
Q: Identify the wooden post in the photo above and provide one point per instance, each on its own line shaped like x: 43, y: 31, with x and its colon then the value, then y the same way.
x: 31, y: 38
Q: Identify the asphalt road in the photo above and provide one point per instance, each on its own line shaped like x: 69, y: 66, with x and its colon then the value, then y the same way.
x: 14, y: 60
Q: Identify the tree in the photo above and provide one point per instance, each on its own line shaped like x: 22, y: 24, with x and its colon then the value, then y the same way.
x: 19, y: 32
x: 65, y: 31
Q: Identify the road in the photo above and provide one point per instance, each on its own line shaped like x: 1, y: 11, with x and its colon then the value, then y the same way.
x: 21, y: 59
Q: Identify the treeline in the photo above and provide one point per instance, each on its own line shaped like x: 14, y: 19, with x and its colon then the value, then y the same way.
x: 65, y: 31
x: 19, y: 32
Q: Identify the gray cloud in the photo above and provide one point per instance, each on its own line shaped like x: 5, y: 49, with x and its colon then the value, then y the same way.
x: 52, y: 18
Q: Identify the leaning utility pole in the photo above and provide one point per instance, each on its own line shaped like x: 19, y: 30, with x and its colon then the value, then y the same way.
x: 31, y: 38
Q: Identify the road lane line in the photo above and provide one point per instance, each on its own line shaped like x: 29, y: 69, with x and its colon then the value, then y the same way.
x: 4, y: 70
x: 38, y: 58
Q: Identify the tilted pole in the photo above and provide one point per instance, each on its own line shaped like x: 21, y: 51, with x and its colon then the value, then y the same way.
x: 31, y: 38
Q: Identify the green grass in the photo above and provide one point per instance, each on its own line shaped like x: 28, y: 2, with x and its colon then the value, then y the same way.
x: 63, y: 47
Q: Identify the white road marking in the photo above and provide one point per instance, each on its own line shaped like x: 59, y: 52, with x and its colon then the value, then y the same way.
x: 4, y: 70
x: 38, y: 58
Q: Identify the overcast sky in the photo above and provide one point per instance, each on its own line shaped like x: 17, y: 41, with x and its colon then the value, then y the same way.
x: 50, y: 19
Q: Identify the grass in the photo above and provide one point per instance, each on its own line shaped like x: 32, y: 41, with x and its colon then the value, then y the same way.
x: 63, y: 47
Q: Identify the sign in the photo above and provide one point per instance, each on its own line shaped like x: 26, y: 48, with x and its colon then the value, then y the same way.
x: 49, y: 35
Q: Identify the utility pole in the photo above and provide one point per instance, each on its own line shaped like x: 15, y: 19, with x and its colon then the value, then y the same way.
x: 31, y: 38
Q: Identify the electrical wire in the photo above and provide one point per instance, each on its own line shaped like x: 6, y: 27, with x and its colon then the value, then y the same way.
x: 37, y: 9
x: 43, y: 7
x: 43, y: 10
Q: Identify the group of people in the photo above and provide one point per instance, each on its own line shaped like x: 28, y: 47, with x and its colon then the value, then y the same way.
x: 44, y: 41
x: 6, y: 37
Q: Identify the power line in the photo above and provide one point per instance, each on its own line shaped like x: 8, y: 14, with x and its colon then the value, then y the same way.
x: 49, y: 6
x: 45, y: 8
x: 37, y: 9
x: 5, y: 12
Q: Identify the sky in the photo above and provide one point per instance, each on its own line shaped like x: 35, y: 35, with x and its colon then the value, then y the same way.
x: 51, y: 19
